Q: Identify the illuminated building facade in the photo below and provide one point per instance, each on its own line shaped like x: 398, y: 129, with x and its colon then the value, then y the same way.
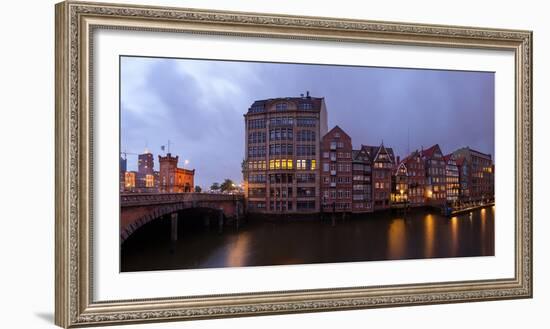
x: 479, y: 175
x: 336, y: 171
x: 452, y: 179
x: 400, y: 185
x: 416, y: 176
x: 145, y: 174
x: 383, y: 161
x: 362, y: 180
x: 434, y: 165
x: 282, y: 154
x: 173, y: 179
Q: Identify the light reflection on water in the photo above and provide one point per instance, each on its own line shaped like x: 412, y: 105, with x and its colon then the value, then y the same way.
x: 380, y: 236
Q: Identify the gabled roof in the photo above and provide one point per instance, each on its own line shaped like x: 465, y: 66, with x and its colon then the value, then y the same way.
x: 398, y: 166
x: 410, y: 156
x: 362, y: 154
x: 337, y: 129
x: 375, y: 151
x: 429, y: 152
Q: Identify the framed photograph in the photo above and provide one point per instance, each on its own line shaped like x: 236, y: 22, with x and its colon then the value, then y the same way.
x: 217, y: 164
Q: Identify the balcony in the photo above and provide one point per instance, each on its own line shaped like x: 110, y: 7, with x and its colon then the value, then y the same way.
x: 333, y: 184
x: 333, y: 172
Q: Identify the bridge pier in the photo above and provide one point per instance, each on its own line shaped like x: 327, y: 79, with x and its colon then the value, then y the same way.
x: 220, y: 221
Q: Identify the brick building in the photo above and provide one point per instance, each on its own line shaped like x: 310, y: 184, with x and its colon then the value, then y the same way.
x: 383, y: 161
x: 173, y: 179
x: 478, y: 175
x: 434, y: 165
x: 362, y: 180
x: 336, y: 171
x: 400, y: 185
x: 282, y: 154
x: 452, y: 179
x: 416, y: 175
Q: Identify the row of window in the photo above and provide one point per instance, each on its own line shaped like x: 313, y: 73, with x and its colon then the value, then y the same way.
x: 280, y: 134
x: 256, y: 137
x: 256, y: 123
x: 341, y: 167
x: 383, y: 165
x: 305, y: 136
x: 381, y: 185
x: 281, y: 121
x: 256, y: 151
x: 257, y: 165
x: 337, y: 194
x: 305, y: 150
x: 257, y: 178
x: 281, y: 149
x: 337, y: 179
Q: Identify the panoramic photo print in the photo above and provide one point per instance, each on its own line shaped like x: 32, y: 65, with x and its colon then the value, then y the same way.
x: 236, y: 163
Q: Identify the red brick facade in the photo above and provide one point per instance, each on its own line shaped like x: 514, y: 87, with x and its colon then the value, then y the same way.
x: 336, y: 171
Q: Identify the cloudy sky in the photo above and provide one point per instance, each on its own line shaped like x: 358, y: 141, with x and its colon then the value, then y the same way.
x: 199, y: 104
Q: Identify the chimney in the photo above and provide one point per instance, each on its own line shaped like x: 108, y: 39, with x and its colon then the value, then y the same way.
x: 398, y: 159
x: 307, y: 94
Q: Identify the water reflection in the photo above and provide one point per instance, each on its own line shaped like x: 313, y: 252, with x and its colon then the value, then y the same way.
x: 419, y: 234
x: 429, y: 235
x: 397, y: 239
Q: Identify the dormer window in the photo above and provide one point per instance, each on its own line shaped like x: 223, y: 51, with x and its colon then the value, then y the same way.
x: 281, y: 106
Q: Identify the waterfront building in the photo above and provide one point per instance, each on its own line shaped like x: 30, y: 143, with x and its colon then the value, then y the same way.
x: 336, y: 171
x: 130, y: 181
x: 122, y: 173
x: 174, y: 179
x: 145, y: 180
x: 434, y: 165
x: 452, y: 179
x: 400, y: 185
x: 464, y: 180
x: 282, y: 154
x: 416, y: 176
x: 383, y: 161
x: 480, y: 176
x: 362, y: 181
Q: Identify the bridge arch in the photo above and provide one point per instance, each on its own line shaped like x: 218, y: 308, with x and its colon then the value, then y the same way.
x: 140, y: 209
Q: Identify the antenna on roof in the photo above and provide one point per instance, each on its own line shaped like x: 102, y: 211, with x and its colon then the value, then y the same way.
x: 408, y: 141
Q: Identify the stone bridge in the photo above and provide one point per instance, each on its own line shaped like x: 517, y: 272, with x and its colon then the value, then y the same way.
x: 138, y: 209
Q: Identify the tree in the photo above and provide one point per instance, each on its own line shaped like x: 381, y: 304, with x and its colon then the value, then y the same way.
x: 215, y: 187
x: 198, y: 189
x: 228, y: 185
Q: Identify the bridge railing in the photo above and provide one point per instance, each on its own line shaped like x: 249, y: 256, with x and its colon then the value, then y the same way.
x: 136, y: 199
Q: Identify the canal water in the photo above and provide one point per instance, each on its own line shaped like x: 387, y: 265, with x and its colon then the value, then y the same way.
x: 381, y: 236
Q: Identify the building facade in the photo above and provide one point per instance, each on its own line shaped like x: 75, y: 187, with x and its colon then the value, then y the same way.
x: 145, y: 180
x: 362, y: 181
x: 282, y: 154
x: 173, y: 179
x: 400, y: 185
x: 383, y: 160
x: 480, y: 173
x: 434, y: 166
x: 416, y: 174
x: 452, y: 179
x: 336, y: 171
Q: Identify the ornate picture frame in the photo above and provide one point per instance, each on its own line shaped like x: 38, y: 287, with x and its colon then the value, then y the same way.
x: 76, y: 22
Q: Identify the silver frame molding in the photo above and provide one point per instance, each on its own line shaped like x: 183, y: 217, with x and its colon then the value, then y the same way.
x: 75, y: 24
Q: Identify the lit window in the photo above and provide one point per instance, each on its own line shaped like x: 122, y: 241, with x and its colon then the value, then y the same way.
x: 283, y: 164
x: 277, y: 164
x: 289, y: 162
x: 313, y: 164
x: 272, y: 164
